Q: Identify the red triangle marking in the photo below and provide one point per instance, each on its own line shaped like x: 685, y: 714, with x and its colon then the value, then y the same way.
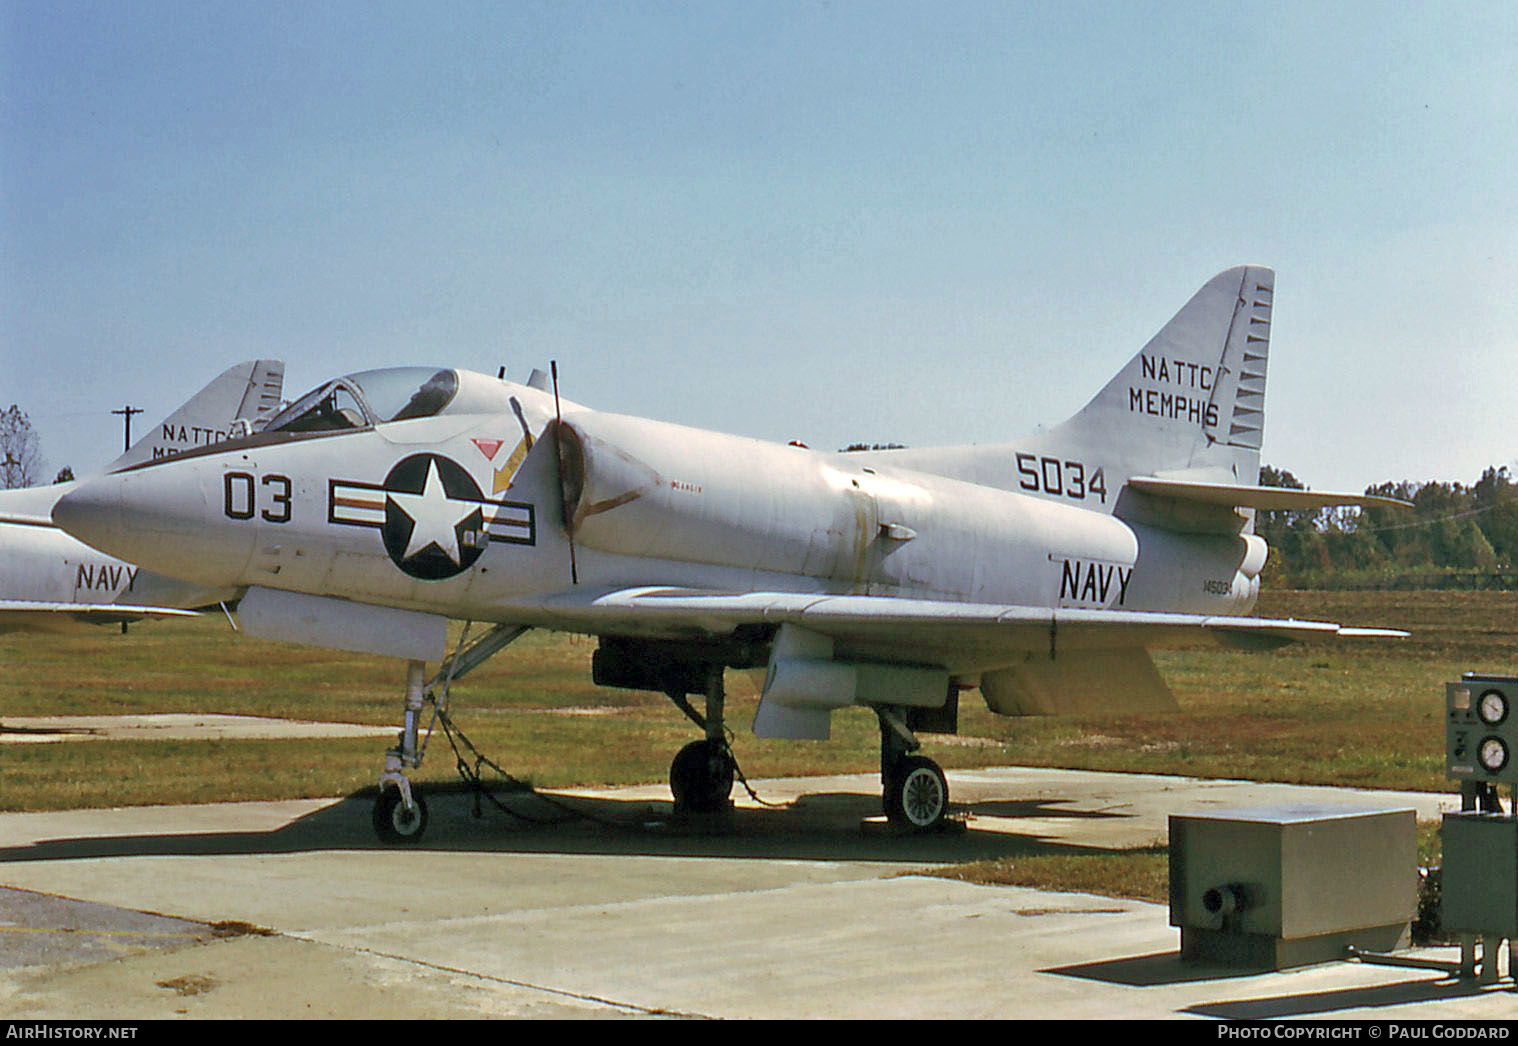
x: 488, y: 447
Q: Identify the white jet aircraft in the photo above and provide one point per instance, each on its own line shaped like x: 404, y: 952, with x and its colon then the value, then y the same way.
x: 383, y: 503
x: 50, y: 582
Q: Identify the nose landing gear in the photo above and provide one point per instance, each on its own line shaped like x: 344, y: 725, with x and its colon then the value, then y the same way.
x: 395, y: 821
x: 400, y: 812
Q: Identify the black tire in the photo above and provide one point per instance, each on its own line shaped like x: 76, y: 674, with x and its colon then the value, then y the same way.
x: 391, y: 821
x: 701, y: 777
x: 916, y: 795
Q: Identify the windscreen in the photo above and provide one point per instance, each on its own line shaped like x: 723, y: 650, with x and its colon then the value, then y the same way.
x: 404, y: 393
x: 369, y: 397
x: 332, y: 408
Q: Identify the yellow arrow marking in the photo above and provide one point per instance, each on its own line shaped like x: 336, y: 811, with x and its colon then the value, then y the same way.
x: 507, y: 472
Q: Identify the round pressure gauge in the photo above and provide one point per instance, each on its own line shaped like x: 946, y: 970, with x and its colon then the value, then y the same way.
x: 1492, y: 707
x: 1492, y: 754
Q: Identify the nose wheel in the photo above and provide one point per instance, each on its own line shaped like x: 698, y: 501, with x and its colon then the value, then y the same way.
x: 394, y: 822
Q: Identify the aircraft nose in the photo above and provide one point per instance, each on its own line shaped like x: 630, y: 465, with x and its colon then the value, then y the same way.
x: 91, y: 512
x: 155, y: 517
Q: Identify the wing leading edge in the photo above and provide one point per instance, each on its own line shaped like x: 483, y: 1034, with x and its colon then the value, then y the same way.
x: 25, y: 615
x: 965, y: 637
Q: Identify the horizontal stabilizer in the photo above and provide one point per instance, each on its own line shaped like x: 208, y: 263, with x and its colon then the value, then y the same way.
x: 1230, y: 495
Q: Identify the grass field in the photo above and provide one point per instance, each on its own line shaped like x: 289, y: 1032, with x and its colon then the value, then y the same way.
x: 1357, y: 713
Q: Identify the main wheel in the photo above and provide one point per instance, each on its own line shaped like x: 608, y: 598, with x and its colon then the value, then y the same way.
x: 393, y: 823
x: 701, y: 777
x: 916, y: 794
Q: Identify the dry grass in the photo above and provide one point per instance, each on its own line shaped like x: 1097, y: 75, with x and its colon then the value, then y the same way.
x: 1142, y: 875
x: 1351, y: 713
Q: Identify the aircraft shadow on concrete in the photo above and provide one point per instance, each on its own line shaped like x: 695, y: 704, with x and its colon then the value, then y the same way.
x: 1428, y: 988
x: 1033, y: 808
x: 1150, y: 971
x: 1168, y: 968
x: 823, y: 826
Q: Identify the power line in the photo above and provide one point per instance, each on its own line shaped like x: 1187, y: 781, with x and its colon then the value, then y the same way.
x: 1436, y: 519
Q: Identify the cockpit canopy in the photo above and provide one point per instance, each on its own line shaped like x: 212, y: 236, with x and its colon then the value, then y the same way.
x: 370, y: 397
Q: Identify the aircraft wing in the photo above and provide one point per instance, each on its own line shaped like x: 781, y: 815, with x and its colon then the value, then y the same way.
x: 964, y: 637
x: 26, y: 615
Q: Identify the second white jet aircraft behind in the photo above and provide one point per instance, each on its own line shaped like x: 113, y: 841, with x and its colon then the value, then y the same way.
x: 49, y: 582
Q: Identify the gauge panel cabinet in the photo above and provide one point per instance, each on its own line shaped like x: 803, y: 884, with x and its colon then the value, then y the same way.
x: 1481, y: 729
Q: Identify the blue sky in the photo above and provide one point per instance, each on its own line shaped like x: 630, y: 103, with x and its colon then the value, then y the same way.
x: 920, y: 223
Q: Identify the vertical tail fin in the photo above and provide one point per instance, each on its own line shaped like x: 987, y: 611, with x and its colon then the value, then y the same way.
x: 1190, y: 405
x: 1193, y: 399
x: 240, y: 393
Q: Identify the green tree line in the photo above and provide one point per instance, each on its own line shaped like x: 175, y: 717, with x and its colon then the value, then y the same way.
x: 1455, y: 536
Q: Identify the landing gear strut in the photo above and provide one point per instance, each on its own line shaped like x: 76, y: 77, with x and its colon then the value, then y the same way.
x: 701, y: 776
x: 400, y: 813
x: 914, y: 792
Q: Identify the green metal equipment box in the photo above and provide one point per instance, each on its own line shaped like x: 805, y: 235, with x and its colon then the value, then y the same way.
x: 1478, y: 889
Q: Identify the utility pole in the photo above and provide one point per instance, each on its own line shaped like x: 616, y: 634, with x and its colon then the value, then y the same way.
x: 126, y: 413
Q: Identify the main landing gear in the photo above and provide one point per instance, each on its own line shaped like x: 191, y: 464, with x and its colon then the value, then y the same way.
x: 914, y: 791
x: 701, y: 776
